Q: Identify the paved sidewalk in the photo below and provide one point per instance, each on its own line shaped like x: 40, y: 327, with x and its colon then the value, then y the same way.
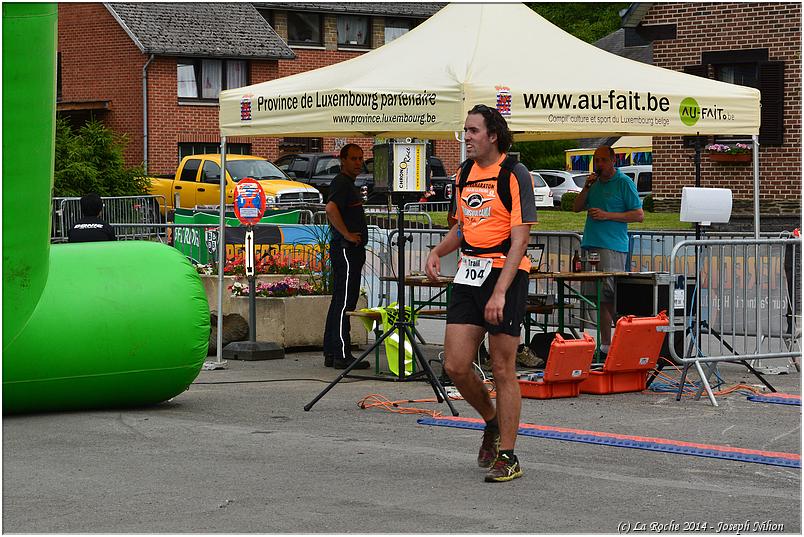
x: 237, y: 453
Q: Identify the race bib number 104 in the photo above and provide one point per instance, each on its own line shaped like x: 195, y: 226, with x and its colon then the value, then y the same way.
x: 473, y: 270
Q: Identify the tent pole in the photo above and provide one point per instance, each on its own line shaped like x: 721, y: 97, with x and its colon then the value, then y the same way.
x: 755, y: 140
x: 219, y: 363
x: 697, y: 179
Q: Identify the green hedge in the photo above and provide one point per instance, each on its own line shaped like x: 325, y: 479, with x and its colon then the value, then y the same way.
x: 90, y: 159
x: 568, y: 201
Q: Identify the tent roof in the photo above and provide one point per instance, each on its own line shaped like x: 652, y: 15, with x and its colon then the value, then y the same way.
x: 549, y: 84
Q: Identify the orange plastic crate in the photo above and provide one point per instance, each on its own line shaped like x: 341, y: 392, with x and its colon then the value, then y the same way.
x: 602, y: 382
x: 567, y: 366
x: 634, y: 350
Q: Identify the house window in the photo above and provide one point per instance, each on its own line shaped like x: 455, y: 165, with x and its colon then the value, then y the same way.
x: 204, y: 79
x: 396, y: 28
x: 304, y: 28
x: 353, y: 31
x: 750, y: 67
x: 742, y: 74
x: 201, y: 148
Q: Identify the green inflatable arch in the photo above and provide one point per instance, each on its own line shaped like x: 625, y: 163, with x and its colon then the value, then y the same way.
x: 92, y: 325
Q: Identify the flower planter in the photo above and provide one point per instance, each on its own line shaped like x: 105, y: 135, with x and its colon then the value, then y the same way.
x: 296, y: 321
x: 730, y: 158
x: 211, y: 287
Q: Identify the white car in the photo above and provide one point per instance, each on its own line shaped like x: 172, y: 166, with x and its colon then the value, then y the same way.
x: 642, y: 176
x: 541, y: 191
x: 561, y: 181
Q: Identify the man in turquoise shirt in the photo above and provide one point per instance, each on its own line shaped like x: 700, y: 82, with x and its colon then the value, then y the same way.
x: 611, y: 201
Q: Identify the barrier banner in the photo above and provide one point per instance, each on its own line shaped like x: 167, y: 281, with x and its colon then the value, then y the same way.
x: 285, y: 236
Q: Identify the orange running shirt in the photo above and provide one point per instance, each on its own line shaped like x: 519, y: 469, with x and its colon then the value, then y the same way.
x: 483, y: 218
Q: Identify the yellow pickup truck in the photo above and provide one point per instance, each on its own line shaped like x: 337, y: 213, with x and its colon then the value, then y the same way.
x: 197, y: 182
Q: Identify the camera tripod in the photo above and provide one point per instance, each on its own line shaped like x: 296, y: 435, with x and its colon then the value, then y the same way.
x: 403, y: 327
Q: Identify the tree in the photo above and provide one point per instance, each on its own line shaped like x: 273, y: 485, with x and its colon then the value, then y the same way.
x: 587, y: 21
x: 91, y: 160
x: 546, y: 155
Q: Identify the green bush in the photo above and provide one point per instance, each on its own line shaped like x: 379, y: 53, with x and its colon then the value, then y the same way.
x: 568, y: 200
x: 647, y: 203
x: 544, y: 155
x: 91, y: 160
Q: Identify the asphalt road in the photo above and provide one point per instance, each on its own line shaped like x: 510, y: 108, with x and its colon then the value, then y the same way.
x: 236, y: 453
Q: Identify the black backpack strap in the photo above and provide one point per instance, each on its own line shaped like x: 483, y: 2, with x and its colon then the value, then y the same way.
x: 504, y: 180
x: 466, y: 167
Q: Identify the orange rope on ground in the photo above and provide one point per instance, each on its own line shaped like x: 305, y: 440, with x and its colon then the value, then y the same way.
x: 736, y: 387
x: 376, y: 400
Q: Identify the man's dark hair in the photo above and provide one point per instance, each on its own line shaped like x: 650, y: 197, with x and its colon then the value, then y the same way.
x: 345, y: 150
x: 91, y: 204
x: 495, y: 124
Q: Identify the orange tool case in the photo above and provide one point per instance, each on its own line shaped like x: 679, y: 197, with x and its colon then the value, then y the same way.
x: 567, y: 366
x: 633, y: 353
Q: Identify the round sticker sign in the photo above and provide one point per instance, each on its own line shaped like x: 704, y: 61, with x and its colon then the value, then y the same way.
x: 249, y: 202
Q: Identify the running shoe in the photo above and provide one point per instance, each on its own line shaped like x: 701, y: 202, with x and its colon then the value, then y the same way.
x: 488, y: 448
x: 504, y: 469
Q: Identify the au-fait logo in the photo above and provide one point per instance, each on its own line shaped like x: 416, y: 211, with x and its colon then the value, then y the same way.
x: 689, y: 111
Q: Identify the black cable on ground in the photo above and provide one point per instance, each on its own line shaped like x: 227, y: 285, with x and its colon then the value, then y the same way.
x: 278, y: 380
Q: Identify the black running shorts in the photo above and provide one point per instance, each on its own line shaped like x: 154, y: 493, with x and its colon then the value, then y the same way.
x: 467, y: 304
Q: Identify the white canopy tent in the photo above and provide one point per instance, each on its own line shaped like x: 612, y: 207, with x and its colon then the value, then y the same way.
x: 548, y: 84
x: 545, y: 82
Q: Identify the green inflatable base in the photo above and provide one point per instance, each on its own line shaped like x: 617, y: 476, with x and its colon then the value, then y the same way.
x: 118, y: 324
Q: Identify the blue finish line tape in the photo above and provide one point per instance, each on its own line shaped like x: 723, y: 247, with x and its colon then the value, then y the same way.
x: 774, y: 458
x: 777, y: 398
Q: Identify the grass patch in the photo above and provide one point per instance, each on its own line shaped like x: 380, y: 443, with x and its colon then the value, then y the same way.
x: 554, y: 220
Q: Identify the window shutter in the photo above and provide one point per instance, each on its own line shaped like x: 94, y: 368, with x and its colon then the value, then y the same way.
x: 702, y: 71
x: 771, y: 84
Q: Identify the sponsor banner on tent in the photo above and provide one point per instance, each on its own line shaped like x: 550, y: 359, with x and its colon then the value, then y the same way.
x: 630, y: 111
x: 529, y: 113
x: 336, y: 111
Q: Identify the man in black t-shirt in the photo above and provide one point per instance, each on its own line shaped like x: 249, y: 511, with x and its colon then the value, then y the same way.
x: 347, y: 254
x: 91, y: 227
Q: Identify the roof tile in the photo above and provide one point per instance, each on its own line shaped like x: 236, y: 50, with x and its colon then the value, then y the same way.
x: 233, y: 30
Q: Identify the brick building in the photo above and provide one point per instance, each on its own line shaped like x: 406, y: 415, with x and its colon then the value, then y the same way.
x: 167, y: 62
x: 753, y: 44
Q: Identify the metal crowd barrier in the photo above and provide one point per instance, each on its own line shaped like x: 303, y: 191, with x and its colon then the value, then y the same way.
x: 428, y: 206
x: 382, y: 218
x: 118, y: 211
x: 744, y: 305
x: 649, y: 251
x: 557, y: 248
